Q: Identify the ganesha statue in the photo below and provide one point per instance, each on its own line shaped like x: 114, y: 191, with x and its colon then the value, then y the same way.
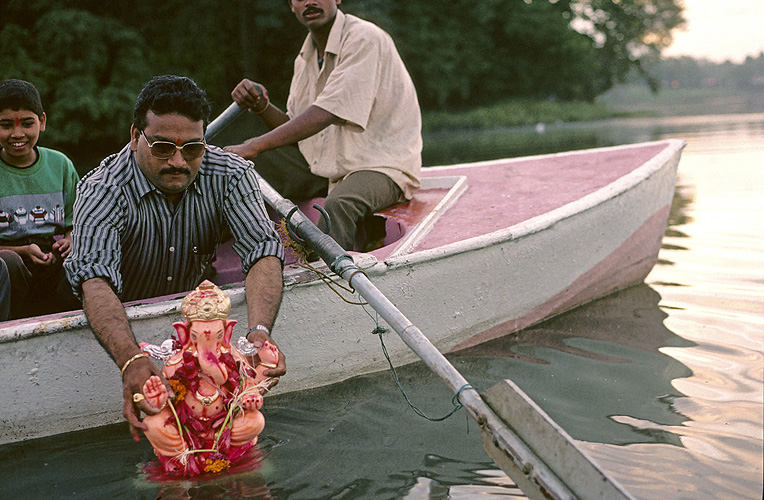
x: 214, y: 417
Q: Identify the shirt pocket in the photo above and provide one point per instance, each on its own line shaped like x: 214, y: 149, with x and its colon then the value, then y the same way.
x: 201, y: 258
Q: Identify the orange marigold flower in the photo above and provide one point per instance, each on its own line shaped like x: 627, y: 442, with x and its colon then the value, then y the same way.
x: 216, y: 466
x: 179, y: 389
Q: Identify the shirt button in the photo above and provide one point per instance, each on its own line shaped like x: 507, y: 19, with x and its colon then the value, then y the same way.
x: 169, y: 278
x: 172, y: 249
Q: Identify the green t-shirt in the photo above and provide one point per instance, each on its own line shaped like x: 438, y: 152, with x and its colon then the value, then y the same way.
x: 37, y: 201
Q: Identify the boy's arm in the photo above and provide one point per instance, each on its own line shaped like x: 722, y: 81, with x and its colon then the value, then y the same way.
x: 32, y: 253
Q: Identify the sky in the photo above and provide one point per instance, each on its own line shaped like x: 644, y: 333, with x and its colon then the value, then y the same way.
x: 720, y: 30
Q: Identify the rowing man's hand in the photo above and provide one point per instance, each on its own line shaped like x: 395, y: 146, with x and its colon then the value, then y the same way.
x: 250, y: 95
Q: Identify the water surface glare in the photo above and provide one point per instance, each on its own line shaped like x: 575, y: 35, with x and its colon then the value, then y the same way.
x: 663, y: 383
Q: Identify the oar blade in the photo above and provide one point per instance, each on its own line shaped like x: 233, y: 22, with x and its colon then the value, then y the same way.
x: 521, y: 416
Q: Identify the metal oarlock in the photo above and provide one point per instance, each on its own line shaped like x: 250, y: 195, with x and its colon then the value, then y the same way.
x: 324, y: 216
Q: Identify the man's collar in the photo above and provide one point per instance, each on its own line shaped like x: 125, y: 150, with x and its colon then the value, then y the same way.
x: 308, y: 49
x: 335, y: 35
x: 142, y: 185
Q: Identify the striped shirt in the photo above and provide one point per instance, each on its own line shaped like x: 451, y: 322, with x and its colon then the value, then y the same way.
x: 127, y: 232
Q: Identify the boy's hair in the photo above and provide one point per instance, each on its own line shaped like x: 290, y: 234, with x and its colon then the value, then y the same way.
x: 171, y: 94
x: 18, y: 95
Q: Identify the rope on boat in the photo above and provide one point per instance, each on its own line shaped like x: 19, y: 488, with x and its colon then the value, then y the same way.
x: 379, y: 330
x: 302, y: 260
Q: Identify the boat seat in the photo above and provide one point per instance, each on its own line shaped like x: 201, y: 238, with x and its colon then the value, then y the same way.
x: 227, y: 265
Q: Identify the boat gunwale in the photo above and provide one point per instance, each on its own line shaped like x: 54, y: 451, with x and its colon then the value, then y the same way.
x: 547, y: 219
x: 77, y: 319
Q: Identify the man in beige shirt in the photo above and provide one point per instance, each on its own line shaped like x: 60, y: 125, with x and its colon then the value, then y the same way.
x: 353, y: 112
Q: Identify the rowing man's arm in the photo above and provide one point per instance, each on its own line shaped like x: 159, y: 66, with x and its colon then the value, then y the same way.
x: 310, y: 122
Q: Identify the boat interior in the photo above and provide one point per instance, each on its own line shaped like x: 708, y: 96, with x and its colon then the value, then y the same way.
x: 392, y: 231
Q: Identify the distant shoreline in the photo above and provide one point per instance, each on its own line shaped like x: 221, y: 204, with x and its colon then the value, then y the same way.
x: 626, y: 101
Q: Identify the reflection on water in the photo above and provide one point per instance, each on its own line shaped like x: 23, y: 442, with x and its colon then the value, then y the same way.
x: 621, y: 337
x: 704, y: 133
x: 661, y: 383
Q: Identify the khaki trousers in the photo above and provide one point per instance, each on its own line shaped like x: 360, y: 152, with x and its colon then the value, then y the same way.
x: 350, y: 205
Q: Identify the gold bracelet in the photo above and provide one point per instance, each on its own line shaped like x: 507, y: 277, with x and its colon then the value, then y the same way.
x: 127, y: 363
x: 267, y: 103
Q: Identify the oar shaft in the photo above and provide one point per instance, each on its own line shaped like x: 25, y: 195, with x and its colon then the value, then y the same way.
x: 219, y: 123
x: 523, y: 457
x: 341, y: 264
x: 541, y: 481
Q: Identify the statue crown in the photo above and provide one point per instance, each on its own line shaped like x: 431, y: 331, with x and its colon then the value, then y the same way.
x: 206, y: 303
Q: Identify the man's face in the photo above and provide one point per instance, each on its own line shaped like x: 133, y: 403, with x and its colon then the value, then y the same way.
x: 173, y: 175
x: 314, y: 13
x: 19, y: 131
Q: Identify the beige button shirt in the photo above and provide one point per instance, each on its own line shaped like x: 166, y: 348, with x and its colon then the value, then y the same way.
x: 362, y: 81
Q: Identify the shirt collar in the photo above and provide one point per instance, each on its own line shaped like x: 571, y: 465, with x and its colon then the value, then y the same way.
x: 308, y: 49
x: 139, y: 181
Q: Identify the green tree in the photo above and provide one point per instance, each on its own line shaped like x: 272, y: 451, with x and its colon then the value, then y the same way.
x: 627, y: 33
x: 90, y: 60
x: 480, y: 52
x: 88, y: 70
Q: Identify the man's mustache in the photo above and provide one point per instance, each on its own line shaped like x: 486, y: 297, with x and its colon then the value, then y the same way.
x: 175, y: 170
x: 311, y: 9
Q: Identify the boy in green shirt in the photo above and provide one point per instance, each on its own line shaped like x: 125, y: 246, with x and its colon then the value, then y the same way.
x: 37, y: 190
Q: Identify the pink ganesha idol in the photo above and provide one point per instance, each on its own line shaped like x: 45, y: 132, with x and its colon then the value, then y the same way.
x: 214, y: 418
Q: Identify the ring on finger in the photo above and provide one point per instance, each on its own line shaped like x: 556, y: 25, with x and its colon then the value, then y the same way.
x: 138, y: 397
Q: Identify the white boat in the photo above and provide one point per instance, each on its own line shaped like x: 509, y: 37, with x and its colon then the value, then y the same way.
x: 484, y: 249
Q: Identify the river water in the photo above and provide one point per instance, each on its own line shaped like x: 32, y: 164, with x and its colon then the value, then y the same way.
x: 661, y: 383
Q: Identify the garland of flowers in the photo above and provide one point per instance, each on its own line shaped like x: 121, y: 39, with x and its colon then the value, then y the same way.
x: 220, y: 454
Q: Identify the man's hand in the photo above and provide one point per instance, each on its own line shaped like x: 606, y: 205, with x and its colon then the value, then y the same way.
x: 109, y: 323
x: 285, y: 131
x: 259, y: 337
x: 248, y: 150
x: 264, y: 285
x: 133, y: 380
x: 250, y: 95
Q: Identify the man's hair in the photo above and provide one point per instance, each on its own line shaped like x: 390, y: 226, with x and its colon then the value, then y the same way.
x: 170, y: 94
x: 18, y: 95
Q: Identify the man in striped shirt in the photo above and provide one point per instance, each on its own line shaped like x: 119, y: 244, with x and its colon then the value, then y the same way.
x: 148, y: 220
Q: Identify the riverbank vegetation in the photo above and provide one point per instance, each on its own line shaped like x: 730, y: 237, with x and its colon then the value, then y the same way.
x: 683, y: 86
x: 693, y: 87
x: 517, y: 113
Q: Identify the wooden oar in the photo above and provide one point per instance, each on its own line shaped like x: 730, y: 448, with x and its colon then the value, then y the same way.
x: 543, y: 460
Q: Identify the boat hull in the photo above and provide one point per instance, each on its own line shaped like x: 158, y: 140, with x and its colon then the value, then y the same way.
x: 56, y: 377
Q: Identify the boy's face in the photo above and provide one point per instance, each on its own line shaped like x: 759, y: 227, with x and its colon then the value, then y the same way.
x: 19, y: 131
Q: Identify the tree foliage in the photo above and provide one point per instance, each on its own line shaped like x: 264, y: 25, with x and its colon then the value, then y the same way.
x: 90, y: 58
x: 625, y: 33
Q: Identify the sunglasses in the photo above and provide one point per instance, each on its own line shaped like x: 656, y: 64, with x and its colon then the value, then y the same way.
x: 164, y: 150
